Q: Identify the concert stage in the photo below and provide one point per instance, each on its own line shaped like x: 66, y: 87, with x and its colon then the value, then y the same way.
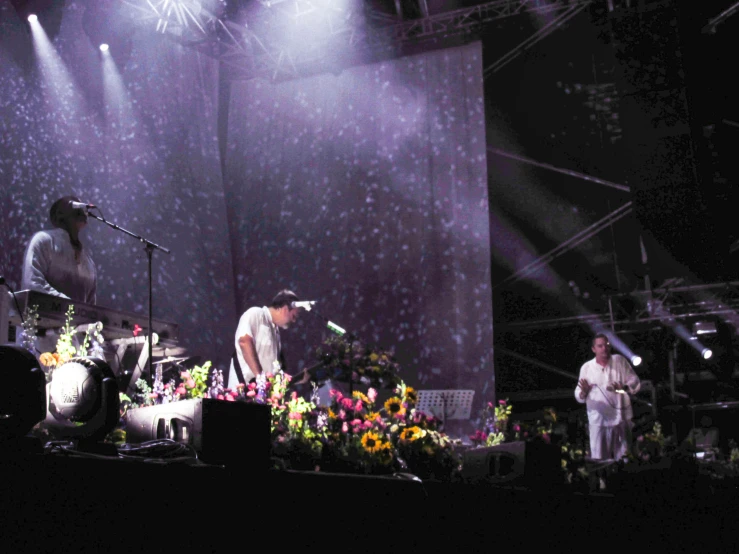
x: 68, y: 503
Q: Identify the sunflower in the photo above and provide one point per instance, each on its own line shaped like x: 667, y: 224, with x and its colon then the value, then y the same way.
x: 411, y: 395
x: 409, y: 434
x: 394, y: 406
x: 372, y: 416
x: 372, y: 442
x: 358, y: 395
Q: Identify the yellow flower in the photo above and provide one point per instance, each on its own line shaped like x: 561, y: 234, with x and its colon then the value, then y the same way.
x: 410, y: 434
x: 411, y: 395
x: 372, y: 416
x: 371, y: 442
x: 361, y: 396
x: 374, y: 357
x: 331, y: 414
x: 394, y: 406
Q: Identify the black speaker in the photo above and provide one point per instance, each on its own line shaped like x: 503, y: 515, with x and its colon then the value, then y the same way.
x: 221, y: 432
x: 520, y: 463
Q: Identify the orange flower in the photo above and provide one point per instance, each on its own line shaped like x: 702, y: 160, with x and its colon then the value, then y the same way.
x: 47, y: 359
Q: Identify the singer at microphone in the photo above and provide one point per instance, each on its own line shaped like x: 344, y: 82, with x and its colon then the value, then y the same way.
x: 56, y: 262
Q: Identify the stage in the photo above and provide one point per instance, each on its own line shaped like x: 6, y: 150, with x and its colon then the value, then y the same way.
x: 64, y: 502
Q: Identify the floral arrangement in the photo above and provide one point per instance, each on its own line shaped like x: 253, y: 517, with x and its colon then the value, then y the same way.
x: 652, y: 446
x: 352, y: 361
x: 67, y: 346
x: 495, y: 422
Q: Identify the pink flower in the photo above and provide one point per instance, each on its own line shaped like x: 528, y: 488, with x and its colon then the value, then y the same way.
x: 269, y: 376
x: 502, y: 402
x: 294, y: 395
x: 367, y: 424
x: 277, y: 395
x: 341, y: 414
x: 296, y: 416
x: 372, y: 394
x: 517, y: 428
x: 220, y: 397
x: 640, y: 438
x: 348, y: 403
x: 345, y: 428
x: 153, y: 395
x: 166, y: 386
x: 356, y: 422
x: 230, y: 398
x: 251, y: 393
x: 358, y: 406
x: 191, y: 383
x: 181, y: 391
x: 185, y: 375
x: 251, y: 386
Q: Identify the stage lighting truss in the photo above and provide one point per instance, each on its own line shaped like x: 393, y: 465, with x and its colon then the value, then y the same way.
x: 255, y: 46
x: 666, y: 305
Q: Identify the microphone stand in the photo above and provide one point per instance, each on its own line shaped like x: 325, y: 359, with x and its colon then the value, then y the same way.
x: 149, y: 247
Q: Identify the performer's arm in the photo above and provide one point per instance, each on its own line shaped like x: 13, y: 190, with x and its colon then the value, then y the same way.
x: 249, y: 351
x: 631, y: 383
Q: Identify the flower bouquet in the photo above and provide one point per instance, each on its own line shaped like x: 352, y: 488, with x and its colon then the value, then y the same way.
x: 352, y: 361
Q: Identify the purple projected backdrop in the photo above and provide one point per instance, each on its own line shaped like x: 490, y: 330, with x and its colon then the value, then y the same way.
x: 149, y: 159
x: 367, y: 191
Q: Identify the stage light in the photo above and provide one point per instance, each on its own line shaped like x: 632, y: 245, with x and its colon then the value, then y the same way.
x: 104, y: 47
x: 706, y: 353
x: 33, y: 18
x: 704, y: 327
x: 636, y: 360
x: 22, y: 394
x: 82, y: 401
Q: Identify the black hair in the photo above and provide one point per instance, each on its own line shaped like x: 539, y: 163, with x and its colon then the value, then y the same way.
x: 284, y: 298
x: 56, y: 207
x: 599, y: 336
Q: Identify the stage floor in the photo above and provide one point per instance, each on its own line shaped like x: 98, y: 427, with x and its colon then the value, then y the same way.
x: 52, y: 502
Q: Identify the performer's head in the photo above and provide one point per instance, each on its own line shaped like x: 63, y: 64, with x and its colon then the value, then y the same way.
x: 64, y: 216
x: 601, y: 347
x: 283, y: 312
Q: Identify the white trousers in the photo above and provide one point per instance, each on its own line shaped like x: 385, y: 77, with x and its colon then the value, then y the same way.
x: 610, y: 442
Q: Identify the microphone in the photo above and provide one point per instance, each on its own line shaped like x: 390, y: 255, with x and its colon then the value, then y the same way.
x: 305, y: 304
x: 81, y: 205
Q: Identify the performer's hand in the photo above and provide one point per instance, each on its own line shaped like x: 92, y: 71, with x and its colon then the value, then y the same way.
x: 302, y: 378
x: 584, y: 388
x: 618, y: 386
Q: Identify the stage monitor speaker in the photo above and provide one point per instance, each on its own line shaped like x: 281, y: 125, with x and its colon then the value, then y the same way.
x: 520, y: 463
x: 221, y: 432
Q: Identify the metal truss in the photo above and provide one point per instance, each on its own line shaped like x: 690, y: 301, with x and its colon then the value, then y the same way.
x: 664, y: 306
x: 253, y: 48
x: 569, y: 244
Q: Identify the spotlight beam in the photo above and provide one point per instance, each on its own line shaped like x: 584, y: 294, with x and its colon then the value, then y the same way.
x: 575, y: 174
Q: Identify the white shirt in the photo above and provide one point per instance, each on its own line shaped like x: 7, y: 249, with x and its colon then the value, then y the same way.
x: 606, y: 407
x: 50, y: 266
x: 257, y: 323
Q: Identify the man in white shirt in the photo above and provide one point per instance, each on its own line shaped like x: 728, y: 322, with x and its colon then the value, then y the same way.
x: 604, y: 385
x: 258, y: 347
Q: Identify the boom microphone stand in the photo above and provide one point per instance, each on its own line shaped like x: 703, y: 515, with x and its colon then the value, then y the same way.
x: 149, y: 247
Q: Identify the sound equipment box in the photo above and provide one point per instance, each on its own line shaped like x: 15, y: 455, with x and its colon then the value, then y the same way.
x: 520, y: 462
x: 221, y: 432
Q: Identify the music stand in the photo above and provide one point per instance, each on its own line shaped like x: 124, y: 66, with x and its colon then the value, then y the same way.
x: 446, y: 404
